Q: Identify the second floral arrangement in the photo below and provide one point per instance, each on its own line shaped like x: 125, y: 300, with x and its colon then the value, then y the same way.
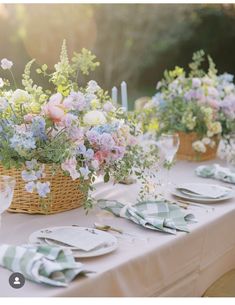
x: 200, y: 104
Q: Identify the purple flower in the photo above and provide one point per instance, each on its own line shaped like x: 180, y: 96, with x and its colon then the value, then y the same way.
x: 43, y: 188
x: 6, y: 64
x: 69, y: 119
x: 81, y: 149
x: 38, y: 128
x: 76, y: 134
x: 31, y: 164
x: 84, y: 172
x: 193, y: 95
x: 89, y: 154
x: 30, y: 187
x: 106, y: 141
x: 75, y: 101
x: 117, y: 153
x: 196, y: 82
x: 28, y: 175
x: 93, y: 136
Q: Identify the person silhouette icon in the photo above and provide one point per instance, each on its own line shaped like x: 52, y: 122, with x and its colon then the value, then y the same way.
x: 17, y: 281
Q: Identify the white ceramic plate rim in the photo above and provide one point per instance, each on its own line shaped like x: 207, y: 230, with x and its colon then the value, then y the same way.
x: 177, y: 193
x: 81, y: 254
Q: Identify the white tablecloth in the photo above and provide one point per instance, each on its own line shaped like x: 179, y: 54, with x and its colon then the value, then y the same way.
x: 160, y: 265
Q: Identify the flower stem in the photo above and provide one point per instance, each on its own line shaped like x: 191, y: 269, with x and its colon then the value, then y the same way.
x: 12, y: 75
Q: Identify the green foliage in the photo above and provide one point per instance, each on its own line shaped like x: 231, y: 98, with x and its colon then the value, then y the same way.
x: 37, y: 93
x: 195, y: 65
x: 84, y: 61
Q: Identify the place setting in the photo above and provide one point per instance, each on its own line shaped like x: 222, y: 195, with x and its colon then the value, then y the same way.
x: 83, y: 242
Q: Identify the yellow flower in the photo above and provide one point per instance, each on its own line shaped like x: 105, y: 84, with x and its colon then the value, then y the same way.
x: 177, y: 72
x: 95, y: 104
x: 153, y: 125
x: 189, y: 120
x: 214, y: 128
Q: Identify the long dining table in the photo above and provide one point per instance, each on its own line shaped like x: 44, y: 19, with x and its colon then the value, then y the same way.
x: 150, y: 264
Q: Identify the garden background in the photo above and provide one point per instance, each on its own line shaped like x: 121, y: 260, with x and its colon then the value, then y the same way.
x: 133, y: 42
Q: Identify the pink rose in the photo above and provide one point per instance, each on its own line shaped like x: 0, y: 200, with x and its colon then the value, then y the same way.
x: 29, y: 117
x: 54, y: 109
x: 101, y: 156
x: 213, y: 103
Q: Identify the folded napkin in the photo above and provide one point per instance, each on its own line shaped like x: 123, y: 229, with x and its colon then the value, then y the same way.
x: 156, y: 215
x: 42, y: 264
x: 217, y: 172
x: 84, y: 240
x: 202, y: 190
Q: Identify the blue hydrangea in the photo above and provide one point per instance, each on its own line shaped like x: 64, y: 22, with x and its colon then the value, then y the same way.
x: 38, y: 128
x: 158, y: 100
x: 226, y: 77
x: 106, y: 128
x: 23, y: 141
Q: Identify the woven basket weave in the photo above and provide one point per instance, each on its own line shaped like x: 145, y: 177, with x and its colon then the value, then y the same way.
x: 65, y: 194
x: 186, y: 151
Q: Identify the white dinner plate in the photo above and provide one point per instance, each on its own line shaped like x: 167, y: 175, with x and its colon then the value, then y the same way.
x: 230, y: 194
x: 111, y: 242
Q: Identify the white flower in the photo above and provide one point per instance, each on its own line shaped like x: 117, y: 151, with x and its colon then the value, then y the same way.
x: 206, y: 141
x: 3, y: 104
x: 1, y: 82
x: 94, y: 117
x: 6, y: 64
x: 229, y: 88
x: 108, y: 107
x: 95, y: 164
x: 20, y: 96
x: 207, y: 80
x: 196, y: 82
x: 92, y: 87
x: 212, y: 144
x: 214, y: 128
x: 199, y: 146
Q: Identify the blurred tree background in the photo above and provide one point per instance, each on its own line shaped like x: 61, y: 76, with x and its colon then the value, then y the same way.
x: 133, y: 42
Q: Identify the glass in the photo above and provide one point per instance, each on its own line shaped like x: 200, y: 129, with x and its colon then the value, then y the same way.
x: 230, y: 152
x: 7, y: 185
x: 168, y: 145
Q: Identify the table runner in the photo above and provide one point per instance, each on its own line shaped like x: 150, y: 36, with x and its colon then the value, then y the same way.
x: 164, y: 265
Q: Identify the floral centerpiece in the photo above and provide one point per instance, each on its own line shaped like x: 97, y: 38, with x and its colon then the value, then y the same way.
x: 199, y: 106
x: 55, y: 141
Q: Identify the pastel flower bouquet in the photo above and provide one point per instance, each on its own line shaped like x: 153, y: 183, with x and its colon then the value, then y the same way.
x: 55, y: 142
x: 199, y: 106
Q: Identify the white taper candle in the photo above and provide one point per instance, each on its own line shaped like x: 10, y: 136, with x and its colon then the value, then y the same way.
x: 114, y: 94
x: 124, y: 95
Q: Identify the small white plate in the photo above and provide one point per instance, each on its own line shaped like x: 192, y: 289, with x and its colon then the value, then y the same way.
x: 109, y: 239
x: 178, y: 193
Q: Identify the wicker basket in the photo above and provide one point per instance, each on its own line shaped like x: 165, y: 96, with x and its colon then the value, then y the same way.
x: 65, y: 194
x: 186, y: 151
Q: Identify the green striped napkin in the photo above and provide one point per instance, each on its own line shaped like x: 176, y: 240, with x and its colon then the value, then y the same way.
x: 158, y: 215
x: 41, y: 263
x: 217, y: 172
